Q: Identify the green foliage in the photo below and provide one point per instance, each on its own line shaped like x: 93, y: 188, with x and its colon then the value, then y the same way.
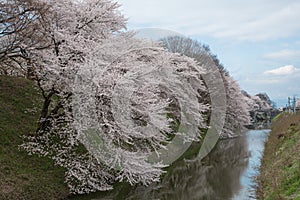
x: 277, y: 116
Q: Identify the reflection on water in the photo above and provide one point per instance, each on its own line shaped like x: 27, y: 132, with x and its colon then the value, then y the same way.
x: 256, y: 142
x: 224, y: 174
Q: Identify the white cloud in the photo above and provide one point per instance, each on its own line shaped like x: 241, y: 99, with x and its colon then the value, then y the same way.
x: 235, y: 19
x: 285, y: 70
x: 285, y: 54
x: 155, y: 33
x: 259, y: 80
x: 275, y: 86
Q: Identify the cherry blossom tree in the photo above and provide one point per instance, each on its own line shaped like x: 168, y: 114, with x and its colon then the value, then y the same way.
x: 256, y: 102
x: 237, y: 112
x: 74, y: 31
x: 237, y: 109
x: 127, y: 110
x: 113, y: 105
x: 111, y: 102
x: 20, y: 25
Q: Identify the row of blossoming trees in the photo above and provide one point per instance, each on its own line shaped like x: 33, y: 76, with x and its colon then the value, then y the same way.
x: 110, y: 100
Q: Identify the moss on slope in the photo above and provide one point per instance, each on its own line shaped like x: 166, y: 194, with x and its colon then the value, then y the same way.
x: 23, y: 176
x: 280, y: 169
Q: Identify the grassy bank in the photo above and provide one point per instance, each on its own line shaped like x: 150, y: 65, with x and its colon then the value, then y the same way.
x: 23, y: 176
x: 280, y: 169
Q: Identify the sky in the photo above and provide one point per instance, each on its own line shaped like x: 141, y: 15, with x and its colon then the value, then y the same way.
x: 257, y: 41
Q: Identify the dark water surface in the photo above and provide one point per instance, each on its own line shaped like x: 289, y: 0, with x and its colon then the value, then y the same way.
x: 225, y: 174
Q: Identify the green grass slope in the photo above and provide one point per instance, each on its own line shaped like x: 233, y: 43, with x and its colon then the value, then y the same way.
x: 280, y: 169
x: 23, y: 176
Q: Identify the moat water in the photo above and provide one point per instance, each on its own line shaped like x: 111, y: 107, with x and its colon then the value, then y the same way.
x: 227, y: 173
